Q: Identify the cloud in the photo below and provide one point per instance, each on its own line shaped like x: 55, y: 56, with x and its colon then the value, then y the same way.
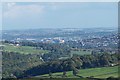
x: 54, y: 6
x: 9, y: 5
x: 17, y: 11
x: 59, y: 0
x: 0, y: 17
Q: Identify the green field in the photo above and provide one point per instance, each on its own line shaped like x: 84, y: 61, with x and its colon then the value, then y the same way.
x: 81, y: 52
x: 23, y: 49
x: 103, y: 72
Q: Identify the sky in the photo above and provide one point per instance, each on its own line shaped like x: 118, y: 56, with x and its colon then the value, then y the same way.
x: 34, y: 15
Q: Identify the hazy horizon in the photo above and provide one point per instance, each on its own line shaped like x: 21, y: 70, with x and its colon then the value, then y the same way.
x: 29, y: 15
x: 113, y: 28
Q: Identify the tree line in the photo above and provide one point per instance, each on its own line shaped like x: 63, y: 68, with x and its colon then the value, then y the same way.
x: 73, y: 64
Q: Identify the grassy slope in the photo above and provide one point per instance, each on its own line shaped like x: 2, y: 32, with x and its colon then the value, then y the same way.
x: 22, y: 49
x: 103, y: 72
x: 81, y: 52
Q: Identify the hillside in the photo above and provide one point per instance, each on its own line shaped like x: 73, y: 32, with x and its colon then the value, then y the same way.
x: 23, y: 49
x: 103, y: 72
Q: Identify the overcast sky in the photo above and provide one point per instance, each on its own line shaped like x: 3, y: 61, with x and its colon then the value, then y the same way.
x: 29, y: 15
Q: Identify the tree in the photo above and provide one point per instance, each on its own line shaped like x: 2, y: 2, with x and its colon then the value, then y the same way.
x: 75, y: 72
x: 64, y: 74
x: 50, y: 74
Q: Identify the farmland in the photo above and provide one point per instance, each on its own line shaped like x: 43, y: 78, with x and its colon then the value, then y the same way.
x: 81, y: 52
x: 23, y: 49
x: 37, y: 65
x: 103, y: 72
